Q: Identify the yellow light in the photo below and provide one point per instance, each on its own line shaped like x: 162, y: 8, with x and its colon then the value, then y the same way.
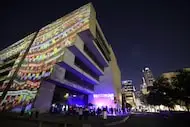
x: 66, y: 95
x: 53, y: 40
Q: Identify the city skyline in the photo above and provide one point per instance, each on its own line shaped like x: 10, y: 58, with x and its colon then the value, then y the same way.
x: 146, y: 38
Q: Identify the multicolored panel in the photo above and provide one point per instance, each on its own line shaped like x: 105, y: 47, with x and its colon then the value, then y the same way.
x: 12, y: 50
x: 45, y: 52
x: 15, y: 48
x: 25, y: 43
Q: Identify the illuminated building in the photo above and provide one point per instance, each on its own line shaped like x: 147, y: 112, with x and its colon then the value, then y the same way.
x: 67, y: 61
x: 128, y: 93
x: 11, y: 59
x: 148, y: 78
x: 143, y: 87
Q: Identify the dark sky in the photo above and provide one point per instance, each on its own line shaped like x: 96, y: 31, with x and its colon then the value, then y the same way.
x: 152, y: 33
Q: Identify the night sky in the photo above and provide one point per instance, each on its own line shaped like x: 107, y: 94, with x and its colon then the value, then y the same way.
x: 153, y: 34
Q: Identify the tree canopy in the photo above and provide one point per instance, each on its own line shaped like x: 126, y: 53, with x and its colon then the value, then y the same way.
x: 169, y: 92
x: 182, y: 86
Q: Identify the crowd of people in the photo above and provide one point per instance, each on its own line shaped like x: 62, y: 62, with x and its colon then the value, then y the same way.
x: 81, y: 112
x: 89, y: 111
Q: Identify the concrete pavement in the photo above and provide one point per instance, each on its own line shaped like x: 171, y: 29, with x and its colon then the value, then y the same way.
x: 56, y: 120
x: 135, y: 120
x: 156, y: 120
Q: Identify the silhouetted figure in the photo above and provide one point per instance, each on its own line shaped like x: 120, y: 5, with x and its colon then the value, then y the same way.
x: 123, y: 109
x: 104, y: 113
x: 94, y: 112
x: 98, y: 112
x: 77, y: 111
x: 22, y: 110
x: 115, y: 111
x: 74, y: 111
x: 111, y: 110
x: 70, y: 111
x: 80, y: 113
x: 4, y: 109
x: 31, y: 112
x: 86, y: 113
x: 36, y: 114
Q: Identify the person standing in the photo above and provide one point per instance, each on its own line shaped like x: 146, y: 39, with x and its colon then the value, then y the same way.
x: 80, y: 113
x: 77, y: 111
x: 86, y: 113
x: 104, y: 113
x: 74, y: 111
x: 36, y: 113
x: 94, y: 112
x: 23, y: 110
x: 111, y: 110
x: 98, y: 112
x: 32, y: 112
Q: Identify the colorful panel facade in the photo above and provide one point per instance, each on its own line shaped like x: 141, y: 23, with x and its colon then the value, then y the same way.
x: 13, y: 96
x: 7, y: 56
x: 45, y: 52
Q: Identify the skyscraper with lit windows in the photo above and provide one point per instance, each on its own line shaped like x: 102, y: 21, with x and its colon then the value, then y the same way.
x: 148, y: 77
x: 128, y: 93
x: 67, y: 62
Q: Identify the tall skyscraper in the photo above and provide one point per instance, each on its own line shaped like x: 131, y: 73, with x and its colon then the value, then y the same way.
x: 148, y: 78
x: 68, y: 61
x: 128, y: 93
x: 143, y: 87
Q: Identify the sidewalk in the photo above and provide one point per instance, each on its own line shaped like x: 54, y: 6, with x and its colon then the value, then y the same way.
x: 59, y: 119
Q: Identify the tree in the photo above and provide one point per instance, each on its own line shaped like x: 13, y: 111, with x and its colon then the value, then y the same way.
x: 182, y: 87
x: 170, y: 92
x: 143, y: 98
x: 162, y: 93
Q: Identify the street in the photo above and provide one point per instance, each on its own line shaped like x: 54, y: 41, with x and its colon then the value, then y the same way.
x: 155, y: 120
x: 134, y: 120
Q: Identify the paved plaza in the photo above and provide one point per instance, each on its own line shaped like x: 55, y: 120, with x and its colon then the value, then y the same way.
x: 134, y: 120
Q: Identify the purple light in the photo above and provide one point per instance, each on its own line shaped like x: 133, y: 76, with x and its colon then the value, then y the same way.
x: 100, y: 100
x: 111, y: 96
x: 76, y: 101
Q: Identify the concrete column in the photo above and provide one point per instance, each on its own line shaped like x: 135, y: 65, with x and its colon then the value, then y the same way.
x: 44, y: 98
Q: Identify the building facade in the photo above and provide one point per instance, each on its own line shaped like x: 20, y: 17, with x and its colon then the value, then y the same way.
x: 148, y: 79
x: 68, y: 61
x: 143, y: 87
x: 128, y: 93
